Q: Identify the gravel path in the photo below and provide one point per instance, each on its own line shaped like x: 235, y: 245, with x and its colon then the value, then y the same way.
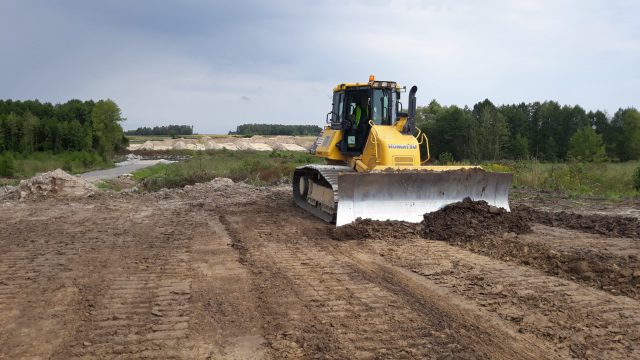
x: 125, y: 167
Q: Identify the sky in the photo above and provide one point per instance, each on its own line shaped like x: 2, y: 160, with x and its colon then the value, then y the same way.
x: 217, y: 64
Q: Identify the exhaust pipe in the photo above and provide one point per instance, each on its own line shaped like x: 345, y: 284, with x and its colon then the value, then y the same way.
x: 410, y: 127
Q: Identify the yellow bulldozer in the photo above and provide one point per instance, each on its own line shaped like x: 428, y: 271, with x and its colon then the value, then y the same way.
x: 374, y: 168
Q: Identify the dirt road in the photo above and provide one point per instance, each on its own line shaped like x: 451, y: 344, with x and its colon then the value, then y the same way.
x: 125, y: 167
x: 241, y: 273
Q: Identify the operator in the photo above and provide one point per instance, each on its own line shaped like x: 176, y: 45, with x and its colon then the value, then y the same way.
x: 358, y: 114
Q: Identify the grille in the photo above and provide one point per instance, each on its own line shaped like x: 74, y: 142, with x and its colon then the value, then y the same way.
x: 403, y: 160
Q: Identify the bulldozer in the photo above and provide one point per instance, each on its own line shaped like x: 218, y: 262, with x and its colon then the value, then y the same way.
x: 377, y: 163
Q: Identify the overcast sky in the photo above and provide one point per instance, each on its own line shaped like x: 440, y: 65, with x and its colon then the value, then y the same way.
x: 217, y: 64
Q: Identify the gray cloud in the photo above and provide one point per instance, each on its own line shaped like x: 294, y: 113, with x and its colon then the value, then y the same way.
x: 196, y: 61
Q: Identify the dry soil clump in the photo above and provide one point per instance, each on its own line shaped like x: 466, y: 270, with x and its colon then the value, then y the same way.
x: 468, y: 220
x: 371, y: 229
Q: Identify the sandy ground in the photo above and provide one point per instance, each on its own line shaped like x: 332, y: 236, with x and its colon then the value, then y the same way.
x: 233, y: 143
x: 237, y: 272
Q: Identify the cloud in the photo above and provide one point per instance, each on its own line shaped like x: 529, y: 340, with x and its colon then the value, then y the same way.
x: 197, y: 62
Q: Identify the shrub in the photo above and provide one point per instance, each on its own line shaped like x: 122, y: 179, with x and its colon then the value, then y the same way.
x: 7, y: 164
x: 67, y: 167
x: 501, y: 168
x: 636, y: 179
x: 586, y: 145
x: 445, y: 158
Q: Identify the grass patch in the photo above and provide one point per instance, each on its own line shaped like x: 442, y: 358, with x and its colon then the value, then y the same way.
x: 18, y: 166
x: 9, y: 182
x: 256, y: 168
x: 108, y: 186
x: 613, y: 181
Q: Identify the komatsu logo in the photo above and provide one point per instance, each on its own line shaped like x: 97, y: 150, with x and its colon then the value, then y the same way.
x: 402, y: 146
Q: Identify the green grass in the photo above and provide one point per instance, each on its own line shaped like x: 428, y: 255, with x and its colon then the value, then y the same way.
x: 613, y: 181
x: 9, y: 182
x: 108, y: 185
x: 24, y: 166
x: 257, y: 168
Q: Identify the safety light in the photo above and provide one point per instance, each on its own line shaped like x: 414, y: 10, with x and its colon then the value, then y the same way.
x: 372, y: 78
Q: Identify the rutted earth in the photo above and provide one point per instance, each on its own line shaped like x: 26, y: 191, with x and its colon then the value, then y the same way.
x: 232, y: 271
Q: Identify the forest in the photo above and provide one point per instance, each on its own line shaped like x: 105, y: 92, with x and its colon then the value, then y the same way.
x: 544, y: 131
x: 31, y: 126
x: 80, y: 134
x: 274, y: 129
x: 169, y: 130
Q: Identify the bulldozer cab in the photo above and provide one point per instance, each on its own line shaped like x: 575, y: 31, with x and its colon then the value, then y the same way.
x: 355, y: 106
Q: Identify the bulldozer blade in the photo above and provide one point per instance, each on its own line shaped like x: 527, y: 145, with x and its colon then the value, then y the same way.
x: 408, y: 196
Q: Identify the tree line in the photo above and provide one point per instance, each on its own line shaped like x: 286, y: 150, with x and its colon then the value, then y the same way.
x: 171, y: 130
x: 32, y: 126
x: 274, y: 129
x: 546, y: 131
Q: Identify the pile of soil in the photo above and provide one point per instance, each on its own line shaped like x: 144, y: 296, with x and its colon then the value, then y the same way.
x: 616, y: 226
x: 371, y: 229
x: 468, y: 220
x: 55, y: 183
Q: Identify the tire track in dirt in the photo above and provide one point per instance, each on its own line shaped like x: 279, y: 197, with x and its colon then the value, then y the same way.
x: 37, y: 287
x: 124, y: 277
x: 225, y: 324
x: 350, y: 314
x: 579, y: 320
x: 137, y: 303
x: 291, y: 327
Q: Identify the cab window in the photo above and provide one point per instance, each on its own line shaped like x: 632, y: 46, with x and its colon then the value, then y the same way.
x: 380, y: 104
x: 336, y: 116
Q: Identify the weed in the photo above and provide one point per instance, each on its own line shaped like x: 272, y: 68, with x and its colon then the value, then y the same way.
x: 606, y: 180
x: 256, y: 168
x: 445, y: 158
x: 636, y: 179
x: 7, y: 164
x: 26, y: 165
x: 108, y: 185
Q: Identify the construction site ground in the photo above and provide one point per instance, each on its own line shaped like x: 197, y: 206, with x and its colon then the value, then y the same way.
x: 220, y: 271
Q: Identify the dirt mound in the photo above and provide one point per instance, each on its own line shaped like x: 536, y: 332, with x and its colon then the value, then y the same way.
x: 55, y: 183
x: 371, y: 229
x: 592, y: 223
x: 468, y: 220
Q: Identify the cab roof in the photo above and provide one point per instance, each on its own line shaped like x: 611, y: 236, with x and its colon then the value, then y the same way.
x: 371, y: 84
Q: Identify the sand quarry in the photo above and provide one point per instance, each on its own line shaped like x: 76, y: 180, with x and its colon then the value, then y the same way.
x: 225, y: 270
x: 256, y: 143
